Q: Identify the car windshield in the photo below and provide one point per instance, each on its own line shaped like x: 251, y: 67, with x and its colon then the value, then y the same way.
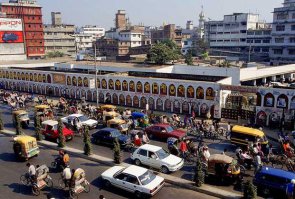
x: 83, y: 118
x: 169, y: 129
x: 147, y: 177
x: 162, y: 154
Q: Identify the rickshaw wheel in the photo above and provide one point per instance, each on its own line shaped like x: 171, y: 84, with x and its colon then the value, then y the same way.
x: 24, y: 180
x: 49, y: 182
x: 265, y: 191
x: 72, y: 194
x: 86, y: 187
x: 35, y: 190
x: 61, y: 183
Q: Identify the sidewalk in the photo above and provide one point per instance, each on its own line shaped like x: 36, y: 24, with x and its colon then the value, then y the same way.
x: 206, y: 189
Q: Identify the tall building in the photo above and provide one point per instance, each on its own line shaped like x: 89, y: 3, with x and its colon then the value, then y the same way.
x: 59, y: 36
x: 31, y: 15
x: 87, y: 36
x: 121, y: 21
x: 283, y: 34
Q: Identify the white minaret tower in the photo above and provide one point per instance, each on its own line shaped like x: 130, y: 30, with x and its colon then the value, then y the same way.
x: 202, y: 23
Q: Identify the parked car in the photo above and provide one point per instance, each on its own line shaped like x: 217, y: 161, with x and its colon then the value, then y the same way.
x: 292, y: 85
x: 156, y: 157
x: 140, y: 181
x: 50, y: 131
x: 164, y: 131
x: 271, y: 181
x: 276, y: 84
x: 108, y: 135
x: 69, y: 120
x: 9, y: 37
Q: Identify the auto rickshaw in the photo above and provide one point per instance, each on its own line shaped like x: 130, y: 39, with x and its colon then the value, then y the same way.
x: 119, y: 124
x: 79, y: 183
x: 25, y: 147
x: 44, y: 111
x: 140, y: 119
x: 223, y: 166
x: 23, y: 118
x: 106, y: 116
x: 108, y: 108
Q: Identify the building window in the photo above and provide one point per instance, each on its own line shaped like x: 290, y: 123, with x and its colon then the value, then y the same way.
x: 291, y: 51
x: 280, y: 28
x: 278, y: 51
x: 292, y: 27
x: 279, y: 40
x: 266, y: 41
x: 281, y: 16
x: 243, y: 31
x: 292, y: 39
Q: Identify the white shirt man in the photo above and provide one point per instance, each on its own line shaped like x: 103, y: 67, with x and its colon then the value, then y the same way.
x: 32, y: 170
x: 67, y: 174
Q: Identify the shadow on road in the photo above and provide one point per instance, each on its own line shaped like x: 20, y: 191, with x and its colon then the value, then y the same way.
x: 8, y: 157
x: 19, y: 188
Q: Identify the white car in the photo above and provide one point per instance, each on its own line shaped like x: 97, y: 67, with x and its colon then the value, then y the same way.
x: 156, y: 157
x: 140, y: 181
x: 81, y: 118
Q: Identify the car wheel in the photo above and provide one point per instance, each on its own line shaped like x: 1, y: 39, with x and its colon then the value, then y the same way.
x: 138, y: 194
x: 107, y: 184
x: 164, y: 170
x: 137, y: 162
x: 265, y: 191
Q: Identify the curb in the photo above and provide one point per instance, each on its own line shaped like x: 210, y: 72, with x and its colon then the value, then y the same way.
x: 205, y: 189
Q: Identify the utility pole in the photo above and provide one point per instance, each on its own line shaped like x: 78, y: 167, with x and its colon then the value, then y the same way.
x: 249, y: 53
x: 96, y: 84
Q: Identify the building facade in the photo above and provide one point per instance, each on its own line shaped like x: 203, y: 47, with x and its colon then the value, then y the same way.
x: 31, y: 15
x: 283, y: 34
x: 58, y: 36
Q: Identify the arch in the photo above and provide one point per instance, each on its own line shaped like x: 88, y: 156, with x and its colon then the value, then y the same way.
x: 151, y: 103
x: 27, y: 77
x: 204, y: 109
x: 69, y: 81
x: 108, y: 98
x: 209, y: 93
x: 180, y: 91
x: 85, y: 82
x: 269, y: 100
x: 292, y: 104
x: 95, y: 96
x: 7, y: 75
x: 200, y: 93
x: 26, y: 87
x: 89, y: 96
x: 23, y: 76
x: 135, y: 102
x: 159, y: 105
x: 31, y: 77
x: 35, y: 90
x: 78, y: 94
x: 147, y: 87
x: 172, y: 90
x: 49, y: 79
x: 282, y: 101
x: 56, y: 91
x: 118, y: 85
x: 143, y: 102
x: 128, y: 100
x: 40, y: 78
x: 115, y: 99
x: 274, y: 120
x: 43, y: 90
x: 111, y: 84
x: 83, y: 93
x: 258, y: 99
x: 122, y: 100
x: 19, y: 77
x: 131, y: 86
x: 39, y: 90
x: 138, y: 87
x: 155, y: 88
x: 72, y: 93
x: 80, y: 82
x: 101, y: 97
x: 98, y: 82
x: 185, y: 107
x: 13, y: 75
x: 261, y: 118
x: 44, y: 78
x: 125, y: 86
x: 176, y: 106
x: 74, y: 81
x: 190, y: 92
x: 104, y: 84
x: 167, y: 106
x: 49, y: 90
x: 35, y: 77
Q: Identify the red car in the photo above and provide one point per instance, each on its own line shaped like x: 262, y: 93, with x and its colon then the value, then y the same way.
x: 164, y: 131
x: 50, y: 131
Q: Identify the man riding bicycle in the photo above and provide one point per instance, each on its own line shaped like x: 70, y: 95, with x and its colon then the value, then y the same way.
x: 67, y: 176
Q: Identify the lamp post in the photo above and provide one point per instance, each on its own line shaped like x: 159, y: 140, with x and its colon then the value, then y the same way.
x: 96, y: 84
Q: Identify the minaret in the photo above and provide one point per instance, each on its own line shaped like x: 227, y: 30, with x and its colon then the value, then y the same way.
x: 201, y: 23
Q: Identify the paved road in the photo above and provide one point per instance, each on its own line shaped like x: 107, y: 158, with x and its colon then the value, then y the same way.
x: 12, y: 169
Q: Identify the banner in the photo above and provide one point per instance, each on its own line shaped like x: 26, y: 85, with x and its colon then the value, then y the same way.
x: 10, y: 24
x: 11, y: 37
x: 59, y: 79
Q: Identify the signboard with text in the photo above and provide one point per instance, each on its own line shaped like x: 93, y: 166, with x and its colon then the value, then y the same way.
x: 10, y: 24
x: 11, y: 37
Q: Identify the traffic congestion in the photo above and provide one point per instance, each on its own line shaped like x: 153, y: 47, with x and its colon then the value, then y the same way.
x: 165, y: 143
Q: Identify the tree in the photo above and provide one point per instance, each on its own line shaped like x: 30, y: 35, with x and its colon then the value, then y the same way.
x: 250, y: 191
x: 87, y: 142
x: 18, y: 125
x: 189, y: 58
x: 1, y: 122
x: 117, y: 152
x: 37, y: 123
x: 199, y: 174
x: 61, y: 141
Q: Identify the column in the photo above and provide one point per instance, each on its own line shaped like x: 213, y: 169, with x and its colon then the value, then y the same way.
x: 264, y: 80
x: 254, y: 82
x: 273, y: 78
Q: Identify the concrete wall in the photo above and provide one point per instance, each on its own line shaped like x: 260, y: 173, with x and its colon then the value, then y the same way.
x: 13, y: 57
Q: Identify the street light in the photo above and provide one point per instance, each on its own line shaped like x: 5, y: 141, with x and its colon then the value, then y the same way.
x: 96, y: 84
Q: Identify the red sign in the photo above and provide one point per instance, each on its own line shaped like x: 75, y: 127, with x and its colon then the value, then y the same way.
x: 11, y: 37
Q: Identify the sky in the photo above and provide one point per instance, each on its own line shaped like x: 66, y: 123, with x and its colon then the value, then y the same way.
x: 152, y: 12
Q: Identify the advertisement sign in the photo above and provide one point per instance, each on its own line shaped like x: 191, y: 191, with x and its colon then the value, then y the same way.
x: 59, y: 79
x: 11, y: 37
x: 12, y: 49
x: 92, y: 83
x: 10, y: 24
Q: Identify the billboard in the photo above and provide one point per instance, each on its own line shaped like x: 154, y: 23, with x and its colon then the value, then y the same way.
x: 11, y: 37
x: 12, y: 49
x: 10, y: 24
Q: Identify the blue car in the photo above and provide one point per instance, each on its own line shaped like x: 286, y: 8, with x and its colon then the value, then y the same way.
x: 273, y: 181
x: 9, y: 37
x: 108, y: 135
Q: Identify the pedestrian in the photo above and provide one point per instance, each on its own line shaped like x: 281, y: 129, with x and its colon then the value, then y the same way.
x: 228, y: 130
x: 257, y: 162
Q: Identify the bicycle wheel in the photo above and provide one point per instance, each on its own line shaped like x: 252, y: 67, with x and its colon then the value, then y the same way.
x: 86, y: 186
x: 24, y: 180
x: 35, y: 190
x: 61, y: 183
x: 49, y: 182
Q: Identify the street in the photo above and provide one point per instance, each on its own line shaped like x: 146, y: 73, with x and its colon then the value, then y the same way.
x: 12, y: 170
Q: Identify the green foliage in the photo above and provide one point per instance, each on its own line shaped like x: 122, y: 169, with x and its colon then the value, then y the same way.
x: 205, y: 55
x: 117, y: 152
x: 189, y: 58
x: 87, y: 142
x: 1, y: 122
x: 250, y: 191
x: 61, y: 137
x: 18, y: 125
x: 164, y: 52
x: 199, y: 174
x: 54, y: 54
x: 37, y: 123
